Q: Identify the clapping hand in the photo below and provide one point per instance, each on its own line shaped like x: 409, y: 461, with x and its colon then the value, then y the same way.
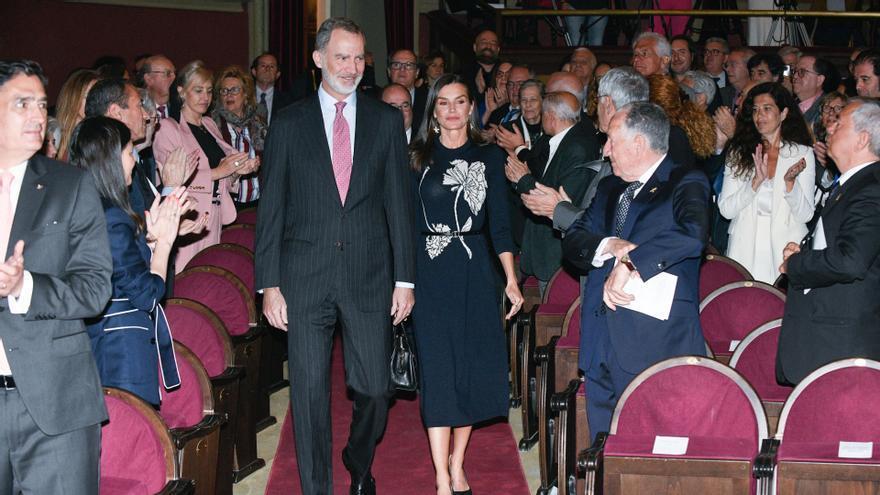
x: 509, y: 140
x: 790, y: 249
x: 821, y: 151
x: 12, y: 272
x: 542, y: 200
x: 760, y: 159
x: 163, y: 218
x: 515, y: 169
x: 725, y: 121
x: 793, y: 172
x: 179, y: 167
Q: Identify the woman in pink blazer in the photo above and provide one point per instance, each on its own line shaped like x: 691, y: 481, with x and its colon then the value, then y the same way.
x: 219, y: 165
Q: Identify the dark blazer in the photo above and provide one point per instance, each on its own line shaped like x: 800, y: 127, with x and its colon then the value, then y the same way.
x: 728, y: 94
x: 281, y: 99
x: 839, y: 316
x: 419, y: 105
x: 60, y: 219
x: 542, y: 246
x: 306, y: 239
x: 669, y: 221
x: 129, y: 343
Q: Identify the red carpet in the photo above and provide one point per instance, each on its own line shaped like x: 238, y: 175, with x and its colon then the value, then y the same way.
x: 403, y: 462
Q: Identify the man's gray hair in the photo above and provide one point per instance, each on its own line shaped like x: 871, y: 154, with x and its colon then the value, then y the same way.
x: 624, y: 86
x: 865, y: 118
x: 746, y: 51
x: 788, y: 50
x: 725, y: 47
x: 649, y: 120
x: 661, y: 45
x: 322, y: 37
x: 556, y: 104
x: 532, y: 83
x: 703, y: 84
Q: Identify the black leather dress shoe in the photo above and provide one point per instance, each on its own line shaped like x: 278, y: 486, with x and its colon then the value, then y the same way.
x: 360, y: 484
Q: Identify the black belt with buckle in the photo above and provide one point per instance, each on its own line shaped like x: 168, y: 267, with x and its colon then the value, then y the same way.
x: 7, y: 382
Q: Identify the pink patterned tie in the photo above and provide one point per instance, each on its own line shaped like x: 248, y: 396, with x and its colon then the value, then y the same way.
x: 5, y: 212
x: 341, y: 152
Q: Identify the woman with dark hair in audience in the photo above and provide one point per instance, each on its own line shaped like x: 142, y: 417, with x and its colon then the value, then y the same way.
x: 131, y: 340
x: 462, y: 223
x: 696, y: 124
x: 241, y: 125
x: 219, y: 166
x: 434, y: 67
x: 70, y: 108
x: 768, y: 180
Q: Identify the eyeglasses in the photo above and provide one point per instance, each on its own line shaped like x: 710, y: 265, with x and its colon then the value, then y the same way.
x: 803, y: 72
x: 230, y: 91
x: 713, y: 51
x: 403, y: 66
x: 401, y: 106
x: 833, y: 109
x: 514, y: 84
x: 166, y: 72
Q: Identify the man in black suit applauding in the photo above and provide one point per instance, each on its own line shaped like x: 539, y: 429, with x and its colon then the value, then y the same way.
x: 335, y: 244
x: 834, y: 274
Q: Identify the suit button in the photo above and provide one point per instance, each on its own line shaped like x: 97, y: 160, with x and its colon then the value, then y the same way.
x: 661, y: 265
x: 338, y: 245
x: 153, y: 341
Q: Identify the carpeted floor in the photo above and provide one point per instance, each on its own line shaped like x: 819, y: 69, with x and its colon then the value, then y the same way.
x: 403, y: 463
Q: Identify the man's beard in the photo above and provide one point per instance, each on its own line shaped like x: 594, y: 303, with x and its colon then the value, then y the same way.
x: 334, y: 83
x: 487, y: 56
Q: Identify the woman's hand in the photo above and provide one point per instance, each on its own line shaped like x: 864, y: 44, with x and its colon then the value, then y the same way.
x: 793, y: 172
x: 760, y: 159
x: 820, y: 149
x: 231, y: 164
x: 725, y: 121
x: 163, y: 219
x: 515, y: 296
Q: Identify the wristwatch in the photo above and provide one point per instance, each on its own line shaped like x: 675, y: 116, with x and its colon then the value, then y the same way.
x: 624, y: 260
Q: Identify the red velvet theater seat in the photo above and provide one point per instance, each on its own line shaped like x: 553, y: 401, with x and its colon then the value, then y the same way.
x: 729, y: 313
x: 232, y: 257
x: 685, y: 425
x: 247, y: 216
x: 244, y: 235
x: 717, y: 271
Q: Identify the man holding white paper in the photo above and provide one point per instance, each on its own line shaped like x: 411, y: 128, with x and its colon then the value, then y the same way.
x: 645, y: 231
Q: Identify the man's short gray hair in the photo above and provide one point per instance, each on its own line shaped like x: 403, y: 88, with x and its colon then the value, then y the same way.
x: 865, y: 118
x: 322, y: 37
x: 661, y: 45
x: 556, y: 104
x: 532, y: 83
x: 788, y: 50
x: 725, y: 47
x: 624, y: 86
x: 703, y: 84
x: 649, y: 120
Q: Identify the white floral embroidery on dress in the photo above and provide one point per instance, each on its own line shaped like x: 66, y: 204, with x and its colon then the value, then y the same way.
x: 468, y: 180
x: 435, y: 244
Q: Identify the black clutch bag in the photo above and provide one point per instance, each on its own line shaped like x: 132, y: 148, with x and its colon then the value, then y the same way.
x: 404, y: 367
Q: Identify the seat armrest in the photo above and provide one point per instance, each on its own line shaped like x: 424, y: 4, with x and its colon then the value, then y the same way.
x: 560, y: 401
x: 208, y: 424
x: 179, y: 487
x: 765, y: 463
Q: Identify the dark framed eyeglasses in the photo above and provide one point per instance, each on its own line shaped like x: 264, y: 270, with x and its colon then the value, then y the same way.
x: 403, y: 66
x: 402, y: 106
x: 166, y: 72
x: 230, y: 91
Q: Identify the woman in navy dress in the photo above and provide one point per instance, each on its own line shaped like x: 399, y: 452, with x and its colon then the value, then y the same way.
x: 462, y: 223
x: 131, y: 341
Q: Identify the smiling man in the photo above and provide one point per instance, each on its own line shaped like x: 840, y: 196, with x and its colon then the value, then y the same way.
x: 335, y: 243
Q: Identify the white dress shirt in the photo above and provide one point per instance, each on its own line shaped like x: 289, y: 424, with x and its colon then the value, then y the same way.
x: 600, y: 257
x: 554, y: 145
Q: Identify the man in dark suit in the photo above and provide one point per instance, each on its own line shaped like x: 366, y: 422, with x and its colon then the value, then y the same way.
x: 335, y: 244
x: 652, y: 216
x: 403, y: 69
x: 56, y: 272
x: 562, y: 164
x: 834, y: 274
x: 266, y: 72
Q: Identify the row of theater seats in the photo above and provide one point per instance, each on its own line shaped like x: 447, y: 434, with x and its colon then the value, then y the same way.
x: 740, y: 319
x: 203, y: 438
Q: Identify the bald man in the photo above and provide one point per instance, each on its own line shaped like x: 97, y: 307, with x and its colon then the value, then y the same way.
x: 398, y: 97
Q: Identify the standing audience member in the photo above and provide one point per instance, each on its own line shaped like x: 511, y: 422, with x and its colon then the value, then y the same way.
x: 398, y: 97
x: 403, y: 69
x: 335, y: 245
x: 866, y: 71
x: 71, y: 105
x: 130, y: 339
x: 737, y: 70
x: 157, y: 74
x: 652, y: 54
x: 715, y: 53
x: 435, y: 66
x: 765, y: 67
x: 834, y: 273
x: 699, y: 87
x: 768, y: 180
x: 830, y: 107
x: 811, y: 78
x: 790, y: 57
x: 51, y: 278
x: 241, y: 125
x: 583, y: 63
x: 509, y: 111
x: 457, y: 323
x: 683, y: 54
x: 696, y: 128
x: 270, y: 99
x: 651, y: 217
x: 219, y: 164
x: 481, y: 75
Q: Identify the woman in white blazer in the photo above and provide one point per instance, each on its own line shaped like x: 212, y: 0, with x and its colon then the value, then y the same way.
x: 768, y: 180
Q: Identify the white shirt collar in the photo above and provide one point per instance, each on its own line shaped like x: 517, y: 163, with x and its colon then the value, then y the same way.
x: 853, y: 171
x: 328, y: 101
x: 408, y: 135
x: 645, y: 177
x: 554, y: 145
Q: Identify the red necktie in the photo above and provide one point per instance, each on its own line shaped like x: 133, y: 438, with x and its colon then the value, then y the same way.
x: 341, y: 152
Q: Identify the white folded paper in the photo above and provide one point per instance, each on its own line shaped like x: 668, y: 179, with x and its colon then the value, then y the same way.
x: 654, y: 297
x: 670, y: 445
x: 855, y: 450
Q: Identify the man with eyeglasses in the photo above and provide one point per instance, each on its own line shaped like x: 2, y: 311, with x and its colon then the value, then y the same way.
x: 266, y: 72
x: 737, y: 69
x: 403, y: 69
x: 399, y: 97
x: 811, y: 78
x: 157, y: 74
x: 510, y: 111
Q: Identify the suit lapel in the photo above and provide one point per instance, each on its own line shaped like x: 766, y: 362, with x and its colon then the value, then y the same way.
x: 315, y: 134
x: 854, y: 182
x: 33, y: 190
x: 365, y: 126
x: 646, y: 194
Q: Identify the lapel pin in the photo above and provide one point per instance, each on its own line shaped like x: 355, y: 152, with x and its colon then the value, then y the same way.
x: 653, y: 190
x: 39, y: 186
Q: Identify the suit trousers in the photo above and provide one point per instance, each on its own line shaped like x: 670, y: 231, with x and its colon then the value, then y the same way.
x: 367, y: 352
x: 36, y: 463
x: 605, y: 382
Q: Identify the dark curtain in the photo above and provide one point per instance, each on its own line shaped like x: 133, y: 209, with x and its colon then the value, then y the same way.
x: 288, y: 38
x: 399, y: 24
